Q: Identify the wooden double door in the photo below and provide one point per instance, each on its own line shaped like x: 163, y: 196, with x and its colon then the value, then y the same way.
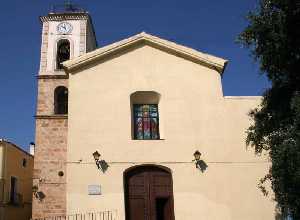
x: 149, y: 194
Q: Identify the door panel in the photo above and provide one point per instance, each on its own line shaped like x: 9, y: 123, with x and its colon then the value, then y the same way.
x: 149, y: 194
x: 137, y: 196
x: 161, y: 185
x: 137, y: 208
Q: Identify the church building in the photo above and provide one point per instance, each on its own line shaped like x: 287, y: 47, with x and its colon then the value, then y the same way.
x: 139, y: 129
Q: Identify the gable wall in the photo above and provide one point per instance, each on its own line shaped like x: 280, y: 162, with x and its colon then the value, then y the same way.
x: 194, y: 115
x: 101, y: 96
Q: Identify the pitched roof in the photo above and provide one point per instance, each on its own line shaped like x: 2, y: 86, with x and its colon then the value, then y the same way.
x: 10, y: 144
x: 210, y: 61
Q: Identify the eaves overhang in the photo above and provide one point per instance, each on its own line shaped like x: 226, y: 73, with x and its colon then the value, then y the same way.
x: 64, y: 16
x: 210, y: 61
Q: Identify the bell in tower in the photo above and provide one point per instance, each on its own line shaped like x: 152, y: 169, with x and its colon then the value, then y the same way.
x: 67, y: 33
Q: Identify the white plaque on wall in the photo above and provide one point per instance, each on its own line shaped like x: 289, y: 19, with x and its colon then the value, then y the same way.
x: 94, y: 189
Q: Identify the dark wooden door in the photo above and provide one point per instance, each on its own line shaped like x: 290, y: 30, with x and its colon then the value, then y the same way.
x: 149, y: 194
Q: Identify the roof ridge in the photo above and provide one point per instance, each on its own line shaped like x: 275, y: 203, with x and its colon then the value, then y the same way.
x: 185, y: 51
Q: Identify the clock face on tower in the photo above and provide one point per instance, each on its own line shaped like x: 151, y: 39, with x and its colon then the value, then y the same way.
x: 64, y: 28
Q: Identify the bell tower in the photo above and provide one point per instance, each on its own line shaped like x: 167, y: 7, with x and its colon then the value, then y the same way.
x: 67, y: 32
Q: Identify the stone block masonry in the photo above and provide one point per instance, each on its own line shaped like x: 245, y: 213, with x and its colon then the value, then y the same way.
x: 50, y: 152
x: 50, y: 159
x: 45, y: 98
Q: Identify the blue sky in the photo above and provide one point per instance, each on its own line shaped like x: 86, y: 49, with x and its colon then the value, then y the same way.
x: 209, y: 26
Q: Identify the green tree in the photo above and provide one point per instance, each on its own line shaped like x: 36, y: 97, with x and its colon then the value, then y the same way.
x: 273, y: 37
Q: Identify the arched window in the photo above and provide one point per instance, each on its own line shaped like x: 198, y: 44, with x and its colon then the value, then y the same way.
x: 61, y: 100
x: 145, y: 117
x: 63, y: 52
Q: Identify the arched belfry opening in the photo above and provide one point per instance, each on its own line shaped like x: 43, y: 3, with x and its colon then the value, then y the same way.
x: 61, y: 100
x: 149, y: 193
x: 63, y: 52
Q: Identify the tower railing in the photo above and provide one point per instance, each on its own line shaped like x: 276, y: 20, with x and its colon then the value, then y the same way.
x: 68, y: 6
x: 103, y: 215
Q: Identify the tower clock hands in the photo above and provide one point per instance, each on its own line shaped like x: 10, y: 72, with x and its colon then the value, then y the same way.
x: 64, y: 28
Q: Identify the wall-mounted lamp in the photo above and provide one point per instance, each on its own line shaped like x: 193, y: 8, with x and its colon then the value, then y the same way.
x: 197, y: 155
x: 35, y: 188
x: 96, y: 156
x: 101, y: 164
x: 38, y: 194
x: 200, y: 164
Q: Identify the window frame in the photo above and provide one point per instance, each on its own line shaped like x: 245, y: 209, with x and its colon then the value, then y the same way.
x: 58, y: 66
x: 135, y: 136
x: 13, y: 196
x: 58, y: 103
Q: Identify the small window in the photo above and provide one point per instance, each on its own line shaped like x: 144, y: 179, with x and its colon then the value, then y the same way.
x: 24, y: 162
x: 13, y: 196
x: 61, y: 100
x: 63, y: 53
x: 146, y: 122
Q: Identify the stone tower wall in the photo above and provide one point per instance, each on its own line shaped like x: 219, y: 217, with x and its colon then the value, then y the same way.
x: 50, y: 152
x: 52, y: 129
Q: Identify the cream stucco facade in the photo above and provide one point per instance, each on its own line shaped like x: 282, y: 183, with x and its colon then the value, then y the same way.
x: 99, y: 88
x: 17, y: 164
x: 194, y: 115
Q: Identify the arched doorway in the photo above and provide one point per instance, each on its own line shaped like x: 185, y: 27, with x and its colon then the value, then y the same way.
x: 148, y: 193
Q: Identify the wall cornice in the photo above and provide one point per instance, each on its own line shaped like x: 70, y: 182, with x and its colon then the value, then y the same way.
x: 64, y: 16
x: 51, y: 116
x: 52, y: 76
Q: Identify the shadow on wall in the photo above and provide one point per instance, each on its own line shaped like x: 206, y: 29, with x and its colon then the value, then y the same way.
x: 201, y: 165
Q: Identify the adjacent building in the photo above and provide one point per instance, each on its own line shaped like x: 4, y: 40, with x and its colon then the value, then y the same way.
x: 16, y: 167
x: 140, y: 128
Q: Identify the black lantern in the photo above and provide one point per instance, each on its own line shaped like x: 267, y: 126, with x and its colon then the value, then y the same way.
x: 101, y: 164
x: 96, y: 156
x: 35, y: 188
x: 197, y: 155
x: 200, y: 164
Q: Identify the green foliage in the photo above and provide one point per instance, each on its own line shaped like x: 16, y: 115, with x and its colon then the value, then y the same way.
x: 273, y: 36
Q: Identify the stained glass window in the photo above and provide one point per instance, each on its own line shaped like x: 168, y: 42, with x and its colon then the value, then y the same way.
x: 146, y: 122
